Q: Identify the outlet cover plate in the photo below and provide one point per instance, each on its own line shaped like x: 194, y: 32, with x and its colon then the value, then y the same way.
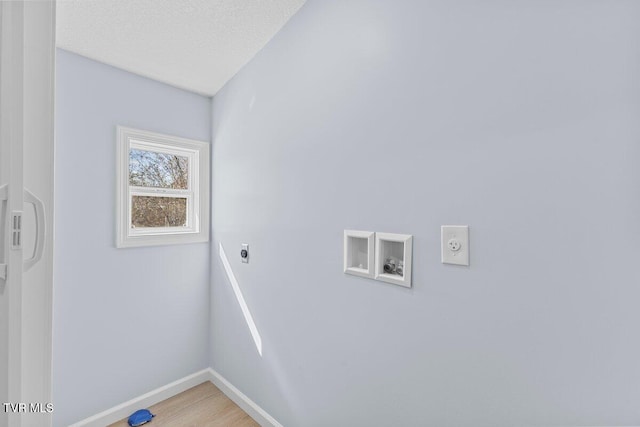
x: 455, y: 244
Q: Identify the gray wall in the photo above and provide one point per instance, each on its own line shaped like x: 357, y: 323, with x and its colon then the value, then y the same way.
x: 517, y: 118
x: 125, y: 320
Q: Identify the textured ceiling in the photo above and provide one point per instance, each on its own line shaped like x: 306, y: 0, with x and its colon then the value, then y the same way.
x: 192, y: 44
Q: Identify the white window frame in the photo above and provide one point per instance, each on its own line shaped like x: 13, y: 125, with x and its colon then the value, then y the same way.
x: 197, y: 194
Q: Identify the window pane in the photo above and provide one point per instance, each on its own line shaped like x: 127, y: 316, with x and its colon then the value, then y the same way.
x: 149, y: 211
x: 151, y: 169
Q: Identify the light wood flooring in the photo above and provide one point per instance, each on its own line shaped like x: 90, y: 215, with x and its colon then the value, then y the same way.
x: 201, y: 406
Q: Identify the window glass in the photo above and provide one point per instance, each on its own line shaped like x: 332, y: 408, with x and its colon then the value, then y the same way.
x: 159, y: 170
x: 151, y: 211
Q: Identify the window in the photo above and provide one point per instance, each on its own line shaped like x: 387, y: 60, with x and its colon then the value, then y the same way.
x: 163, y: 189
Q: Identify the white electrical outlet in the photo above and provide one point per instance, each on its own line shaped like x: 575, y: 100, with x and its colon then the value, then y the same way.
x: 244, y: 253
x: 455, y: 244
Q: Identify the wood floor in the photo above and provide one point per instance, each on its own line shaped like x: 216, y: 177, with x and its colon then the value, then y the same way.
x: 201, y: 406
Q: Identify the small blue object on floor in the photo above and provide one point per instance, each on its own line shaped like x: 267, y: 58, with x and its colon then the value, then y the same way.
x: 141, y: 416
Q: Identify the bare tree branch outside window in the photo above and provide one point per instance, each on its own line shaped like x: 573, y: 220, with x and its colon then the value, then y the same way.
x: 151, y: 169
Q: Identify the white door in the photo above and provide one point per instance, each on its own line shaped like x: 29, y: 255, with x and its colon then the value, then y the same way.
x: 27, y: 52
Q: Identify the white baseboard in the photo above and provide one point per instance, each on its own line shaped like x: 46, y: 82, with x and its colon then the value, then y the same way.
x: 125, y: 409
x: 249, y: 406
